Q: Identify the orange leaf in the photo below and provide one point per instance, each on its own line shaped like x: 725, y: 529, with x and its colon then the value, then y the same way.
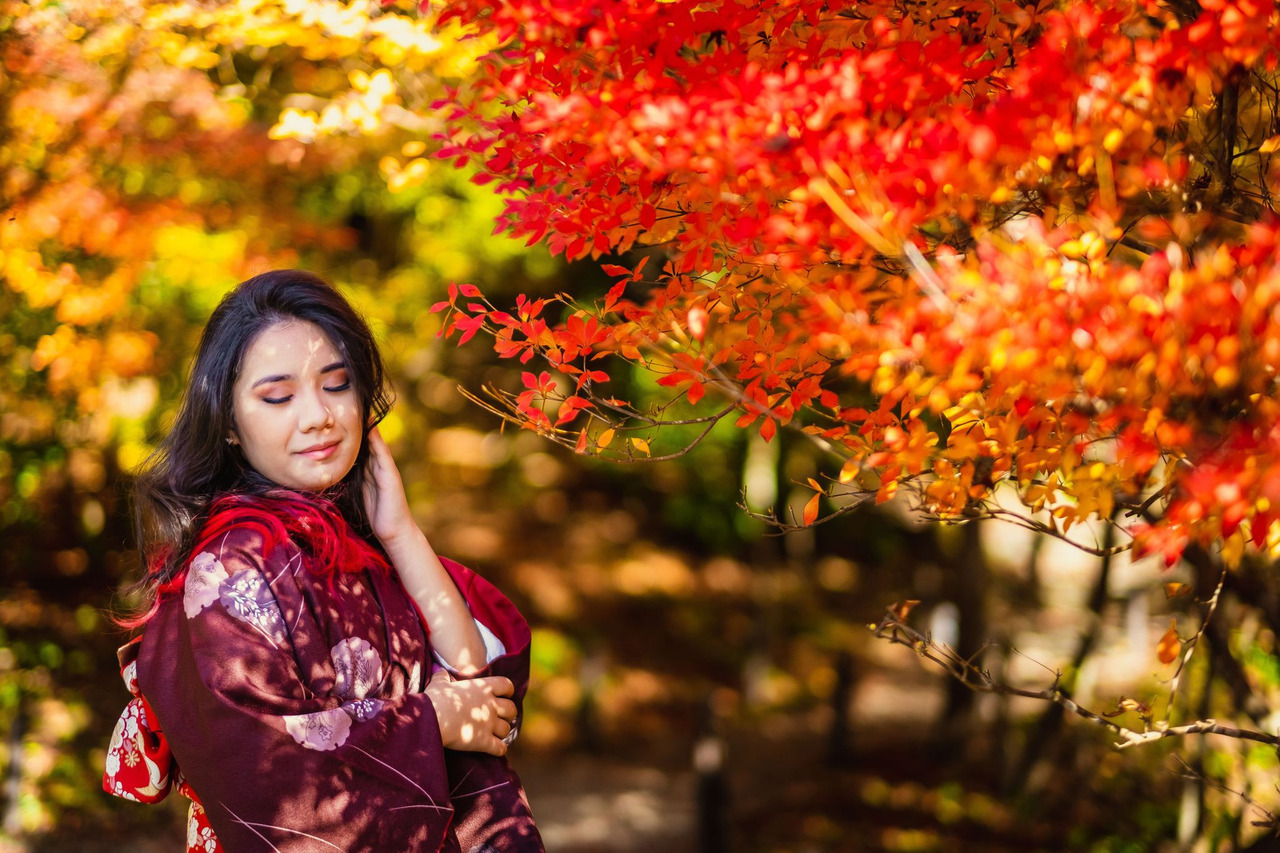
x: 603, y: 439
x: 581, y: 446
x: 902, y: 609
x: 768, y: 429
x: 1173, y: 589
x: 811, y: 510
x: 1169, y: 646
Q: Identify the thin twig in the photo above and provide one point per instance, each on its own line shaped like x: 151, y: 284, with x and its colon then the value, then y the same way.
x: 1189, y: 647
x: 893, y: 629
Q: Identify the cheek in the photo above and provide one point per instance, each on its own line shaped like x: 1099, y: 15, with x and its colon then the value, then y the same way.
x: 261, y: 428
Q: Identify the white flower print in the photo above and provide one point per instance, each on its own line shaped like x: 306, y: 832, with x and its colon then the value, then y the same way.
x: 322, y: 730
x: 124, y: 740
x: 358, y: 668
x: 130, y: 674
x: 248, y: 598
x: 363, y: 709
x: 199, y: 838
x: 203, y: 580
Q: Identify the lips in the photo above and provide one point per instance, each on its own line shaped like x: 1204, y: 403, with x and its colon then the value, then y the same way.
x: 321, y: 451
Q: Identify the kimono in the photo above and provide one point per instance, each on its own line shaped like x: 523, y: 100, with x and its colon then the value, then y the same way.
x: 287, y: 704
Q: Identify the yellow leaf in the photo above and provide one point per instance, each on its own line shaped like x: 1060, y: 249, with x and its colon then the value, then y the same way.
x: 604, y: 438
x: 1233, y: 549
x: 1174, y: 589
x: 849, y: 470
x: 641, y: 445
x: 1270, y: 146
x: 1111, y: 142
x: 1169, y: 646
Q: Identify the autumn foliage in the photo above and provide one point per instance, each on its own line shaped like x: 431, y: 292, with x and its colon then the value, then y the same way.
x: 976, y: 250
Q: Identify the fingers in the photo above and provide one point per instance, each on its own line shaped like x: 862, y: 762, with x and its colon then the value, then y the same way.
x: 506, y: 708
x: 493, y: 746
x: 499, y: 685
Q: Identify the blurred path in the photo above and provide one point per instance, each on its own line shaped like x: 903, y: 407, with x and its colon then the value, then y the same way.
x: 589, y: 805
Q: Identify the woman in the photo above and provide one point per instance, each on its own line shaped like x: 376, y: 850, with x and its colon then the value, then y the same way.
x: 309, y: 672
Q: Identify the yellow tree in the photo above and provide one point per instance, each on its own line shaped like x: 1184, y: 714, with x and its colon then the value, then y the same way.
x: 151, y: 155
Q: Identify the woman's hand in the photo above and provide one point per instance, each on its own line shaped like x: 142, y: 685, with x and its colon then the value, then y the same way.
x: 472, y: 715
x: 453, y: 631
x: 384, y: 499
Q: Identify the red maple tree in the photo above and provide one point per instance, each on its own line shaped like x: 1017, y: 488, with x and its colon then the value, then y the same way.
x: 965, y: 245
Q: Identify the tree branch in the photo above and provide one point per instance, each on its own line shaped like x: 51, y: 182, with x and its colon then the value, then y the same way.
x: 895, y: 630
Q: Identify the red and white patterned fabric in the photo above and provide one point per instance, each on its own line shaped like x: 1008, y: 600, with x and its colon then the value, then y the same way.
x: 140, y: 765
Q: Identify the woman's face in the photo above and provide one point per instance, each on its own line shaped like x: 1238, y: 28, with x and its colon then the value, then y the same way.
x: 297, y: 417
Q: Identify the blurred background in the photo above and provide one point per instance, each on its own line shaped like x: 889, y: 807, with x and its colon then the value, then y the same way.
x: 699, y: 682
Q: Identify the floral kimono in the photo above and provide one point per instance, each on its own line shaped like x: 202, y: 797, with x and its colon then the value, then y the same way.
x: 288, y: 705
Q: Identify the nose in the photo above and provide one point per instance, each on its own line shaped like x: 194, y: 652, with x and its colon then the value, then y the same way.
x: 314, y: 413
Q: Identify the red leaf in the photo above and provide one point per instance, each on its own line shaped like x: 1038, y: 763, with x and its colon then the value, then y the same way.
x: 635, y: 275
x: 615, y: 293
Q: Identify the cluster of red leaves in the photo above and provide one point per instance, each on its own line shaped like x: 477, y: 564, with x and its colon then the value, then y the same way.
x: 808, y: 168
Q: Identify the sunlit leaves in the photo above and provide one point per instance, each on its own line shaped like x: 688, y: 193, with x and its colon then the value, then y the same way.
x: 997, y: 248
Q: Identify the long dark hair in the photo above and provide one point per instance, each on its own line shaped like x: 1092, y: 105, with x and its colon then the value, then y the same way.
x: 195, y: 465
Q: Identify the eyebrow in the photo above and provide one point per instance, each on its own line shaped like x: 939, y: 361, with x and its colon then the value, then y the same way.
x: 284, y: 377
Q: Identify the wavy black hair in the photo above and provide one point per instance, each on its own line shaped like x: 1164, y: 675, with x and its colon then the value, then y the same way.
x: 195, y: 465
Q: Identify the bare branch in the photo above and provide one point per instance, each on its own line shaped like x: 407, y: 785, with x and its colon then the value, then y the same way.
x: 893, y: 629
x: 1189, y: 648
x: 1034, y: 525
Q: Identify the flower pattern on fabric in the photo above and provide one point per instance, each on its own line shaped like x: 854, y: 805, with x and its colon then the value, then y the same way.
x: 130, y: 676
x: 248, y: 598
x: 363, y: 709
x: 200, y: 837
x: 358, y: 668
x: 321, y: 730
x: 415, y: 678
x: 204, y: 579
x: 123, y: 776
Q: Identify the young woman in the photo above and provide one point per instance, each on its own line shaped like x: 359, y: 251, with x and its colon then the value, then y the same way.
x: 309, y: 672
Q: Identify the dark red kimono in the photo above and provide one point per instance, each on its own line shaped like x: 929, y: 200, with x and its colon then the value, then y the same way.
x: 288, y: 704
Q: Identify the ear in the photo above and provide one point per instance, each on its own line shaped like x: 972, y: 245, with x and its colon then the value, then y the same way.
x: 232, y: 440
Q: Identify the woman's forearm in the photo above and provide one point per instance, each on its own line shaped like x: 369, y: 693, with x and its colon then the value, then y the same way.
x: 454, y: 635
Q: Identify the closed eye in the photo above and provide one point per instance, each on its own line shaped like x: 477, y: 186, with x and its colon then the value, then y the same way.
x: 343, y: 387
x: 275, y: 401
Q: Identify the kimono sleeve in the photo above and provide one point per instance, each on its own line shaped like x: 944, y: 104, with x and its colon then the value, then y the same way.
x: 510, y: 632
x: 277, y: 765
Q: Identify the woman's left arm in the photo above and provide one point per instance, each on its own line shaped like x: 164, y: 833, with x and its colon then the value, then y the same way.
x: 454, y: 634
